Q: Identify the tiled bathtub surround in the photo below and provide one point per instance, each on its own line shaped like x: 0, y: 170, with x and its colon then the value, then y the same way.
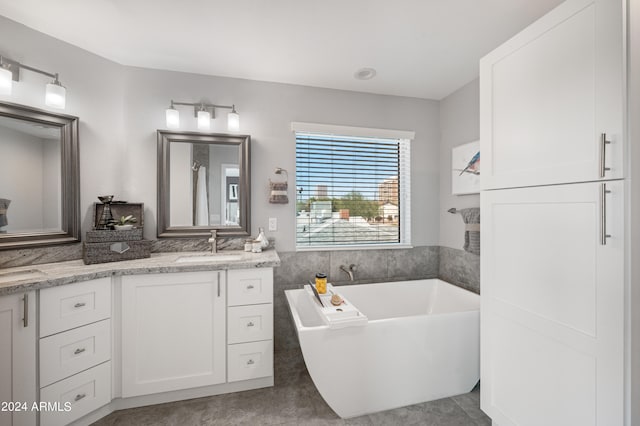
x: 460, y: 268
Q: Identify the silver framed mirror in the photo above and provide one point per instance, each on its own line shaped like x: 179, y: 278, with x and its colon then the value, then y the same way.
x: 39, y: 177
x: 203, y: 184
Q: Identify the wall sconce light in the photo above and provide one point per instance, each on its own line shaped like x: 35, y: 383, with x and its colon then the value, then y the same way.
x: 203, y: 113
x: 55, y: 93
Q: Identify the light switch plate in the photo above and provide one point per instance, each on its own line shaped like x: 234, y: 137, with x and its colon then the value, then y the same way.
x: 273, y: 224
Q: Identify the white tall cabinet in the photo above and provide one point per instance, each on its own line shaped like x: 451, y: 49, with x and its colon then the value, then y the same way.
x: 553, y: 209
x: 18, y: 359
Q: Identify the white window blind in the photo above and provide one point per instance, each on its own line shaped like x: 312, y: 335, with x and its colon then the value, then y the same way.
x: 352, y: 191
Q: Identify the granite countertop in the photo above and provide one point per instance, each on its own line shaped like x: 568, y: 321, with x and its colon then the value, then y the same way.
x: 34, y: 277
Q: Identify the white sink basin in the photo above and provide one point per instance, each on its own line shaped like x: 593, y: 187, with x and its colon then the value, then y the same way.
x: 21, y: 275
x: 209, y: 258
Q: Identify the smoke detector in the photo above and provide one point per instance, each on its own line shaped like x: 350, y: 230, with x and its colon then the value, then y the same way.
x: 365, y: 74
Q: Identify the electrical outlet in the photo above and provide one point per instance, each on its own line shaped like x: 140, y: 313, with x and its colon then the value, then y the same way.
x: 273, y: 224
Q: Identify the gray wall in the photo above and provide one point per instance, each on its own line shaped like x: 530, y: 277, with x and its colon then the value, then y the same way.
x: 459, y: 124
x: 121, y: 107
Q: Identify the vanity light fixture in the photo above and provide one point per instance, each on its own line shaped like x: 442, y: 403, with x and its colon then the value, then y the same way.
x: 55, y: 93
x: 203, y: 113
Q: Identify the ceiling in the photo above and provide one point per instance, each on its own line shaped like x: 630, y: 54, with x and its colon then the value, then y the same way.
x: 419, y: 48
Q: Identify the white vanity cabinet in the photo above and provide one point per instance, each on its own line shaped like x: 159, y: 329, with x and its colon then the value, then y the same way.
x: 17, y: 359
x: 250, y: 324
x: 173, y: 331
x: 75, y: 350
x: 551, y: 96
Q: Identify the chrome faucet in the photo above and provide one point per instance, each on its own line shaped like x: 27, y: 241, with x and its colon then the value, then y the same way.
x: 349, y: 271
x: 213, y: 241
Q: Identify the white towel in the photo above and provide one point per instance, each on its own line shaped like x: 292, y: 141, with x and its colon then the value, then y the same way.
x: 202, y: 204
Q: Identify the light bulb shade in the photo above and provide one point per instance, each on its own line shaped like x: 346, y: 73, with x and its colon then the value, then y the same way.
x: 173, y: 118
x: 6, y: 82
x: 233, y: 121
x: 204, y: 120
x: 56, y: 96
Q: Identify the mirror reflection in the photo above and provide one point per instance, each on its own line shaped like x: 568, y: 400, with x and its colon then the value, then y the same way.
x: 30, y: 183
x: 39, y: 178
x: 203, y: 184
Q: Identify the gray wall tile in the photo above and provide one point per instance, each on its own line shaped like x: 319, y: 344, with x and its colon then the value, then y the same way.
x: 460, y: 268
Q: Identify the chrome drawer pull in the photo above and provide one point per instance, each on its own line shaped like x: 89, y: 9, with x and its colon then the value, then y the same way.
x: 250, y: 362
x: 251, y: 324
x: 603, y: 214
x: 250, y: 287
x: 79, y: 396
x: 25, y: 308
x: 603, y: 153
x: 79, y: 305
x: 79, y: 351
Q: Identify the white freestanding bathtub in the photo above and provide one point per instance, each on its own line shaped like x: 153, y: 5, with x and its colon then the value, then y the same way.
x: 422, y: 343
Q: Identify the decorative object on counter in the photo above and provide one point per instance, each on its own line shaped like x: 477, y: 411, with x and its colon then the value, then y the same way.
x: 264, y: 241
x: 115, y: 251
x: 204, y: 113
x: 4, y: 206
x: 321, y: 283
x: 471, y: 218
x: 279, y: 189
x: 108, y: 245
x: 125, y: 223
x: 106, y: 217
x: 465, y: 169
x: 248, y: 244
x: 118, y: 209
x: 256, y: 246
x: 55, y: 94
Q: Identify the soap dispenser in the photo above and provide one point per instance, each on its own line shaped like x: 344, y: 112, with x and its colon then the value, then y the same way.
x: 264, y: 242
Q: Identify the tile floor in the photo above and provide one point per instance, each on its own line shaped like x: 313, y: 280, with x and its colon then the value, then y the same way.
x: 294, y: 400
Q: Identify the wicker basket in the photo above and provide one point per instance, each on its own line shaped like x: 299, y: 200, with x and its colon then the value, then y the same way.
x: 115, y: 251
x: 107, y: 236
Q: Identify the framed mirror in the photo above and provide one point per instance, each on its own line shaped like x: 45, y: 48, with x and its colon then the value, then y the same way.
x: 39, y: 177
x: 203, y: 184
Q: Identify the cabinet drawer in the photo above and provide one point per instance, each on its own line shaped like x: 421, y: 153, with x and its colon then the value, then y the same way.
x: 77, y: 395
x: 69, y: 306
x: 250, y: 360
x: 250, y: 323
x: 68, y: 353
x: 250, y: 286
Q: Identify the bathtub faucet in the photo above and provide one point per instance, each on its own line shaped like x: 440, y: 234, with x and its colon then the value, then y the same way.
x: 349, y: 271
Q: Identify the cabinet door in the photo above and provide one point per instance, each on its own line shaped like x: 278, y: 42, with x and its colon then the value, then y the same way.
x: 173, y: 332
x: 18, y: 358
x: 549, y: 94
x: 552, y: 318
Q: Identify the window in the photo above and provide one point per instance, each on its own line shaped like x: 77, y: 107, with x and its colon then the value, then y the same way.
x: 351, y: 191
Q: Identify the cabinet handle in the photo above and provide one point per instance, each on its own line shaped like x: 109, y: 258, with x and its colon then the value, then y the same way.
x: 79, y: 397
x: 250, y: 287
x: 218, y: 283
x: 251, y: 324
x: 25, y: 308
x: 603, y: 154
x: 250, y: 362
x: 603, y: 214
x: 79, y: 351
x: 79, y: 305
